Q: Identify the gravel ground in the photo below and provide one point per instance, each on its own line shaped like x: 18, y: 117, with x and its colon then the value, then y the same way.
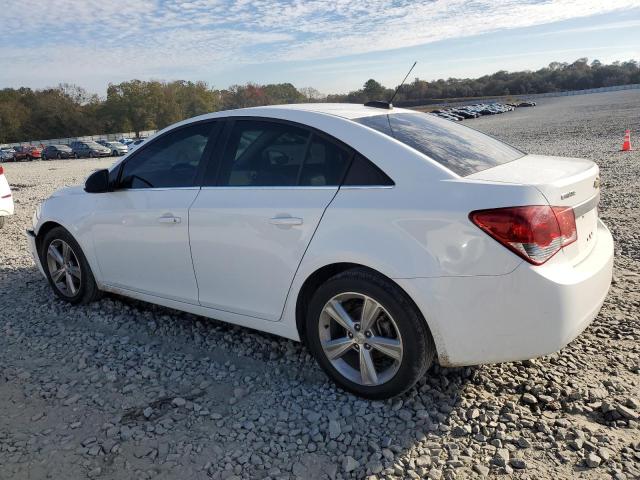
x: 122, y: 389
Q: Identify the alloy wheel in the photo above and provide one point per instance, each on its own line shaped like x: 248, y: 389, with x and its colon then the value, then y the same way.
x: 360, y: 339
x: 64, y: 268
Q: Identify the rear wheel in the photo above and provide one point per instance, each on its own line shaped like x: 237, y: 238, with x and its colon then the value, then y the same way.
x: 367, y: 335
x: 67, y: 268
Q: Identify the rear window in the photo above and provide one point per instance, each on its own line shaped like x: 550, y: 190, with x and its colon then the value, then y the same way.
x: 460, y: 149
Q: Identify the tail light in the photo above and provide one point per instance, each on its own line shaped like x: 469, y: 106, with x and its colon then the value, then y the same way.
x: 536, y: 233
x: 1, y: 170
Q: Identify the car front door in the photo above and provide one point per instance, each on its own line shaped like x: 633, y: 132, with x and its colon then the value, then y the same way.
x: 140, y: 230
x: 253, y: 219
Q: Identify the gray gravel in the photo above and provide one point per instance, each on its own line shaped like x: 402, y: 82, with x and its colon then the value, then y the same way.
x: 122, y: 389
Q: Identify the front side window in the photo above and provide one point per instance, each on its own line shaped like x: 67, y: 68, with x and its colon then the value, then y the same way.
x: 460, y: 149
x: 170, y: 161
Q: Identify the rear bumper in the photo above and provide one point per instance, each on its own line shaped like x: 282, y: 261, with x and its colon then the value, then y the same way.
x: 6, y: 204
x: 33, y: 250
x: 530, y: 312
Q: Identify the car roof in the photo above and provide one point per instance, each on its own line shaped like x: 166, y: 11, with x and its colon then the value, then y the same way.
x: 344, y: 110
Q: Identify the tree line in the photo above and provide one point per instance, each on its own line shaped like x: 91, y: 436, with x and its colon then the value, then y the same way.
x: 136, y: 105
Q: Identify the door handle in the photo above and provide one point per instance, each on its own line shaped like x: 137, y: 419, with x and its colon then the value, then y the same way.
x: 286, y: 221
x: 169, y: 219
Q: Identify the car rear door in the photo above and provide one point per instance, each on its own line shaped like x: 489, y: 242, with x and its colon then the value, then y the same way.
x: 257, y: 212
x: 140, y: 230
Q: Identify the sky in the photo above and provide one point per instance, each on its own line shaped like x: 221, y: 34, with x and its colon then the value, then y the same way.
x: 333, y: 46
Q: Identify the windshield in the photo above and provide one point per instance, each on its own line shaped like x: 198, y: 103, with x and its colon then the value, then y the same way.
x: 460, y: 149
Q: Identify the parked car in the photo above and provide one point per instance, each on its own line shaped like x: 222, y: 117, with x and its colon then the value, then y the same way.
x: 26, y: 152
x: 116, y: 148
x: 6, y: 154
x: 527, y: 104
x: 6, y: 199
x: 380, y: 237
x: 126, y: 140
x: 89, y: 148
x: 57, y: 151
x: 136, y: 143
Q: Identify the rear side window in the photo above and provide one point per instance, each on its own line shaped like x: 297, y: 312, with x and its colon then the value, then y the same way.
x: 325, y: 163
x: 460, y: 149
x: 263, y: 154
x: 363, y: 172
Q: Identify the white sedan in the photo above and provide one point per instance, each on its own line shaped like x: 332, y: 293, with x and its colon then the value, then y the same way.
x: 381, y: 237
x: 6, y: 198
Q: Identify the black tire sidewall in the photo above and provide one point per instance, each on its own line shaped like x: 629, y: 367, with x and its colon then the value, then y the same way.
x: 418, y: 349
x: 87, y: 282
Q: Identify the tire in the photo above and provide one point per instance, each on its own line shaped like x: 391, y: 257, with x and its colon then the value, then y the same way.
x: 76, y: 156
x: 59, y: 156
x: 399, y: 325
x: 85, y: 290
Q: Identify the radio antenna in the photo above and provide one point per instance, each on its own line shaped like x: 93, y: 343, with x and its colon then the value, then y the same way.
x: 399, y: 86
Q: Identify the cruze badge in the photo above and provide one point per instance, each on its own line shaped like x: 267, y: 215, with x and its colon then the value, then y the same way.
x: 567, y: 195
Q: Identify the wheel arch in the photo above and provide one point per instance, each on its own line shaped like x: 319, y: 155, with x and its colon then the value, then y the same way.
x: 45, y: 228
x: 321, y: 275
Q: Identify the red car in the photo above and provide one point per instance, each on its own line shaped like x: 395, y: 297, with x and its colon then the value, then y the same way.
x: 26, y: 152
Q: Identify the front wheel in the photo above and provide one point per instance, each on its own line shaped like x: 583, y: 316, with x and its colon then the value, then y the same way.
x: 367, y: 335
x: 67, y: 268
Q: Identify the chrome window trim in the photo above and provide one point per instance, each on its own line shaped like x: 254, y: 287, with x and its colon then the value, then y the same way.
x: 365, y: 187
x: 156, y: 189
x: 264, y: 187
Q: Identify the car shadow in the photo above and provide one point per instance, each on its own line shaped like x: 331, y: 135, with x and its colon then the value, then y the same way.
x: 253, y: 385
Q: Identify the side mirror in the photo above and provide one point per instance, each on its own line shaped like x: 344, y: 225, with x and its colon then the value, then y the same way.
x: 98, y: 182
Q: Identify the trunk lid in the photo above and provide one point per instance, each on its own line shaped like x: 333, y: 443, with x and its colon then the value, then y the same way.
x: 571, y: 182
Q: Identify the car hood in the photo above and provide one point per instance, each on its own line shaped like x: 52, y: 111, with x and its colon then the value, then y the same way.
x: 63, y: 192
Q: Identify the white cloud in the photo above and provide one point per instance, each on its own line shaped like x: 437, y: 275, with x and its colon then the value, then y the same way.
x: 146, y: 38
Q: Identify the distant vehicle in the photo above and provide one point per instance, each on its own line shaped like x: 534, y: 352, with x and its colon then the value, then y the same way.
x: 527, y: 104
x: 6, y: 198
x: 89, y: 148
x: 381, y: 237
x: 6, y: 154
x: 116, y: 148
x: 57, y: 151
x: 135, y: 144
x: 26, y: 152
x: 126, y: 140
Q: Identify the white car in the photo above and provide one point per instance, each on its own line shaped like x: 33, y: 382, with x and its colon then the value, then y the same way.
x: 381, y: 237
x: 6, y: 198
x: 135, y: 144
